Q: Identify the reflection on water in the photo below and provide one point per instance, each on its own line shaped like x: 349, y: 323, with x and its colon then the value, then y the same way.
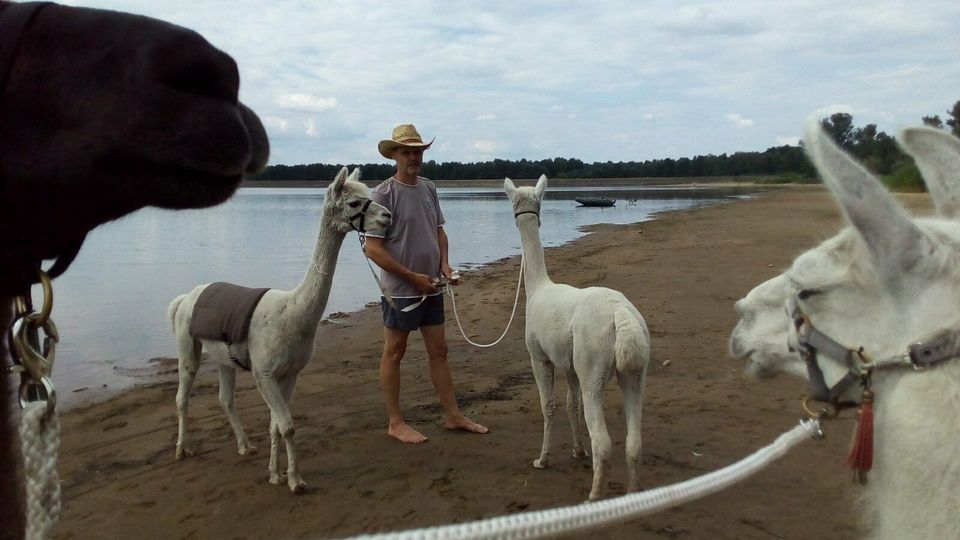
x: 111, y: 305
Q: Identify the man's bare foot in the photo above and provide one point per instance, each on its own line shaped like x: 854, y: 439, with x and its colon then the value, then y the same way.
x: 404, y: 433
x: 465, y: 424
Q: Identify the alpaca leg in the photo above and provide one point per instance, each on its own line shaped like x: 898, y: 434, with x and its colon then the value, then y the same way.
x: 294, y: 480
x: 282, y: 424
x: 575, y: 414
x: 275, y: 476
x: 543, y: 374
x: 188, y: 350
x: 599, y: 438
x: 631, y: 384
x: 228, y: 385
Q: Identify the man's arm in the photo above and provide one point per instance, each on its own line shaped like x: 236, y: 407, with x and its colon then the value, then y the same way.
x: 376, y: 252
x: 444, y: 258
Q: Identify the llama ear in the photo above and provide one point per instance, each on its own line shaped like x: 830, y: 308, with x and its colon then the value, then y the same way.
x: 336, y: 187
x: 509, y: 188
x: 893, y: 239
x: 354, y: 175
x: 937, y: 154
x: 541, y: 186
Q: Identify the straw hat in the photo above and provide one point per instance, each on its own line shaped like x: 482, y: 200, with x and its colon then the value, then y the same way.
x: 404, y: 135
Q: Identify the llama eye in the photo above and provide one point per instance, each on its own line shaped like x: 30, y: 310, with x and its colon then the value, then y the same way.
x: 807, y: 293
x: 353, y: 204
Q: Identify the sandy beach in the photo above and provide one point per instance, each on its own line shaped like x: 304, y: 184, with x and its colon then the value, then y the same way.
x: 684, y: 271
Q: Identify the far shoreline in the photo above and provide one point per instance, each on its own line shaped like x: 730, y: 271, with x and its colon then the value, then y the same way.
x: 686, y: 181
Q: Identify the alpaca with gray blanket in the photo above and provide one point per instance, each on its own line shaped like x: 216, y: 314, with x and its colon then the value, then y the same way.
x: 282, y: 327
x: 222, y: 313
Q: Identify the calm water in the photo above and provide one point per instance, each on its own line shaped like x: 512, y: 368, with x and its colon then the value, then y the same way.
x: 111, y: 305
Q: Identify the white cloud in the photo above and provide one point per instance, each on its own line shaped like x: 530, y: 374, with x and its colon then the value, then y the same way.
x: 485, y: 147
x: 275, y: 124
x: 739, y: 121
x: 310, y: 128
x: 305, y: 102
x: 788, y: 141
x: 659, y: 76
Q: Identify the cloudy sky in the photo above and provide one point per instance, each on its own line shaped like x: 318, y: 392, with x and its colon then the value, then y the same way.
x: 602, y: 80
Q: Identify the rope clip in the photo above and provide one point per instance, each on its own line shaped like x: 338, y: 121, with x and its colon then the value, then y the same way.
x: 33, y: 357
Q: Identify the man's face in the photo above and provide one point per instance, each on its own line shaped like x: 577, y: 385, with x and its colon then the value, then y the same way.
x: 409, y: 160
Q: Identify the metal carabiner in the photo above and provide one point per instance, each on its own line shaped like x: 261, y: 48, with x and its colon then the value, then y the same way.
x: 34, y: 359
x: 26, y: 340
x: 828, y: 411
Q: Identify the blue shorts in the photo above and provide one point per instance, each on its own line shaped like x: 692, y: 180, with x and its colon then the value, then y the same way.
x: 429, y: 313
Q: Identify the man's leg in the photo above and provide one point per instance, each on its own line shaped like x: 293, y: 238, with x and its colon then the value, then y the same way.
x: 394, y: 347
x: 435, y: 340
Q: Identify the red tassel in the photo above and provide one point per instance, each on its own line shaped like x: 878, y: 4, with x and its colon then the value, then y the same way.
x: 861, y: 455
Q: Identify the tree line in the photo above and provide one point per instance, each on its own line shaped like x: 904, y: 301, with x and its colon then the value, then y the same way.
x: 877, y: 150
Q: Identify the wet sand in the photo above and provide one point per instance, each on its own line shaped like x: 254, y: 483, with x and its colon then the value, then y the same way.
x: 684, y: 271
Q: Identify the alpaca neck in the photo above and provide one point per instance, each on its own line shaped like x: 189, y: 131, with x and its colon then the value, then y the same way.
x: 534, y: 266
x: 917, y: 439
x: 309, y: 298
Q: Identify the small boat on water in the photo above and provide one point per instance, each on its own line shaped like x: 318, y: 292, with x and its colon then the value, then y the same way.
x: 595, y: 200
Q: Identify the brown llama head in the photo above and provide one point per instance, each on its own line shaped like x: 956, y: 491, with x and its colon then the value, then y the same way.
x: 104, y: 113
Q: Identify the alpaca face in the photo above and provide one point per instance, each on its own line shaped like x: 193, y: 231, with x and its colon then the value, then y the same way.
x: 525, y: 200
x: 882, y: 284
x: 349, y: 204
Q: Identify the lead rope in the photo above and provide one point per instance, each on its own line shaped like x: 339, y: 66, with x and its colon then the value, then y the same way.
x: 584, y: 517
x: 39, y: 425
x: 456, y: 315
x: 40, y: 438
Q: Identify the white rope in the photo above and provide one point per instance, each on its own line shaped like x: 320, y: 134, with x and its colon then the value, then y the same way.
x: 40, y: 438
x: 583, y: 517
x: 512, y: 313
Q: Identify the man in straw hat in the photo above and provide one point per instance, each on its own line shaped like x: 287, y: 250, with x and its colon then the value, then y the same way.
x: 412, y: 254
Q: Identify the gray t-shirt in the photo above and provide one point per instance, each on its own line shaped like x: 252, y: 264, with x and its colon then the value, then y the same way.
x: 412, y: 236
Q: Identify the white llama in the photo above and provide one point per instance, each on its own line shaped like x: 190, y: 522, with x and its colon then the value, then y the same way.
x: 588, y: 334
x: 887, y: 282
x: 281, y: 331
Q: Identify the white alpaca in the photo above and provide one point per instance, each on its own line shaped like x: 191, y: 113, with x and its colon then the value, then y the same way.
x: 588, y: 334
x: 885, y: 283
x: 281, y: 332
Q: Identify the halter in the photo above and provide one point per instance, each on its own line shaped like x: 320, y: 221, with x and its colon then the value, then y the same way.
x: 360, y: 228
x: 921, y: 355
x: 536, y: 212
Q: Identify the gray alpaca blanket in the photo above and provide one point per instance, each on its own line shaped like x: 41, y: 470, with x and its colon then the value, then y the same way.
x: 223, y: 312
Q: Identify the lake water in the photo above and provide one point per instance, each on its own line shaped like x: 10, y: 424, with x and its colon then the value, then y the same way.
x: 111, y: 305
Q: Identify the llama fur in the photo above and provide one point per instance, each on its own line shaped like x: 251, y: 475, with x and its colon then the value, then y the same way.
x: 281, y: 335
x: 886, y: 282
x: 589, y: 335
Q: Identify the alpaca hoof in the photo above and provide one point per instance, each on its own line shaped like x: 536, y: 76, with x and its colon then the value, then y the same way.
x: 541, y: 463
x: 580, y: 453
x: 182, y: 453
x: 298, y: 488
x: 248, y: 451
x: 276, y: 479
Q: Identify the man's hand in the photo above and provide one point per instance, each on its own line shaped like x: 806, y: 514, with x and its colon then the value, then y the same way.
x: 453, y: 276
x: 423, y: 283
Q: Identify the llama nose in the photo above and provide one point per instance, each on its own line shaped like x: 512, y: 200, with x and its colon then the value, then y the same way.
x: 186, y: 62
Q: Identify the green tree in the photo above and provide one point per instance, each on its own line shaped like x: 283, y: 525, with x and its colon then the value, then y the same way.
x: 840, y: 127
x: 954, y: 120
x: 933, y: 121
